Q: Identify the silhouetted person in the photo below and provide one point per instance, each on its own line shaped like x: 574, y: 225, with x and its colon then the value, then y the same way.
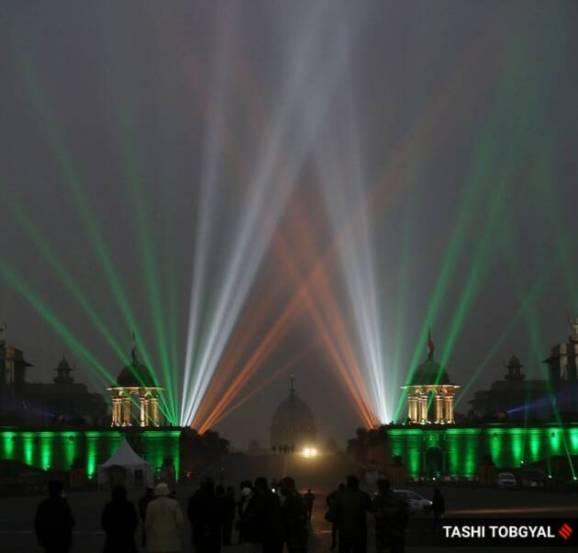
x: 294, y: 517
x: 119, y: 522
x: 163, y: 522
x: 53, y: 522
x: 390, y: 519
x: 228, y: 515
x: 248, y: 517
x: 332, y: 515
x: 246, y: 488
x: 220, y: 495
x: 206, y: 518
x: 309, y: 499
x: 142, y: 509
x: 351, y: 508
x: 438, y: 506
x: 270, y: 522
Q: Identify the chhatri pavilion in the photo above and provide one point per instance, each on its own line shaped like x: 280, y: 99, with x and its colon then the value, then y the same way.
x: 430, y: 384
x: 135, y: 398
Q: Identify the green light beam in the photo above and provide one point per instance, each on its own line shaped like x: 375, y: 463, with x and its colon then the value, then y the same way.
x: 48, y: 254
x: 72, y: 181
x: 16, y: 281
x: 470, y: 198
x: 148, y: 257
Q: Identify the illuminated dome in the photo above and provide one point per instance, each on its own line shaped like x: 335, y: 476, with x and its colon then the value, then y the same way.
x: 135, y: 375
x: 430, y: 372
x: 293, y: 423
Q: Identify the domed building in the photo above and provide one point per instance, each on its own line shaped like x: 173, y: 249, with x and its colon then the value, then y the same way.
x: 293, y: 424
x: 430, y: 384
x: 135, y: 398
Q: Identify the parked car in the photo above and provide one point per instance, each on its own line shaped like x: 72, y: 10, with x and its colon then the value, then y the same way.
x: 506, y: 480
x: 417, y: 504
x: 533, y: 479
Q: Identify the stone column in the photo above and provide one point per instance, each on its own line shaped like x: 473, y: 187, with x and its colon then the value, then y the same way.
x: 412, y: 408
x: 154, y: 404
x: 126, y: 412
x: 143, y: 411
x: 417, y: 409
x: 449, y: 409
x: 439, y: 408
x: 423, y: 418
x: 116, y: 420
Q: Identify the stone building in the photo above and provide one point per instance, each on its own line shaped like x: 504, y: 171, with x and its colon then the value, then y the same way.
x: 518, y: 397
x: 44, y: 403
x: 510, y: 396
x: 65, y: 400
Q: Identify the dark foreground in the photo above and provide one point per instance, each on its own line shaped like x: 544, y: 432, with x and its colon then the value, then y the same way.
x: 16, y: 516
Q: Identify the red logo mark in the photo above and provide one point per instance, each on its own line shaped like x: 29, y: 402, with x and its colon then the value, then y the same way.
x: 565, y: 531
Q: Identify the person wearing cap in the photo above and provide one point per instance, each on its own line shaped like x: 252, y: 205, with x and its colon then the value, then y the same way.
x: 163, y: 522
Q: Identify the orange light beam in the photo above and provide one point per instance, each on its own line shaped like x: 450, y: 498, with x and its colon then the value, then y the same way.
x: 279, y: 372
x: 332, y: 328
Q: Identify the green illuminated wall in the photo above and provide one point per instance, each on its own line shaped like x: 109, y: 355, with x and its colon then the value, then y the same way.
x: 58, y: 450
x: 407, y: 444
x: 463, y: 451
x: 462, y: 448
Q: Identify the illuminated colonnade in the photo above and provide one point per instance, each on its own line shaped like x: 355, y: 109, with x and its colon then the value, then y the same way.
x: 142, y: 412
x: 418, y: 401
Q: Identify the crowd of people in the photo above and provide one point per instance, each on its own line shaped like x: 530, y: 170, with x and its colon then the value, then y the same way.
x: 348, y: 507
x: 267, y: 517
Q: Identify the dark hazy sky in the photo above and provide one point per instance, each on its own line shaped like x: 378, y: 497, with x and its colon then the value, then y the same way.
x: 465, y: 125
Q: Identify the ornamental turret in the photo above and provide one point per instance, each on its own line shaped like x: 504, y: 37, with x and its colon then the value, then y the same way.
x: 429, y: 384
x: 136, y: 396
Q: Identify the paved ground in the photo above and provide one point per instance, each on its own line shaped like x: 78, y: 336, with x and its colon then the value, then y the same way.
x: 16, y: 516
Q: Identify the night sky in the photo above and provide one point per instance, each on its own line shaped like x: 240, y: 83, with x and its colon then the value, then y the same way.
x: 426, y: 147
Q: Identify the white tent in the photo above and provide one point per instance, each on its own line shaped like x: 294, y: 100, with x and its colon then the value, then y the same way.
x: 135, y: 470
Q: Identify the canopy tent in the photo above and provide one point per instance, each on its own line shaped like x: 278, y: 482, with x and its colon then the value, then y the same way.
x: 126, y: 467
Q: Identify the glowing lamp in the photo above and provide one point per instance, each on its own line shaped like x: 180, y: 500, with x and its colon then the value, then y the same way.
x: 309, y: 452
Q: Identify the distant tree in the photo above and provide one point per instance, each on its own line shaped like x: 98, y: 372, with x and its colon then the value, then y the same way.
x: 214, y: 447
x: 199, y: 451
x: 366, y: 440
